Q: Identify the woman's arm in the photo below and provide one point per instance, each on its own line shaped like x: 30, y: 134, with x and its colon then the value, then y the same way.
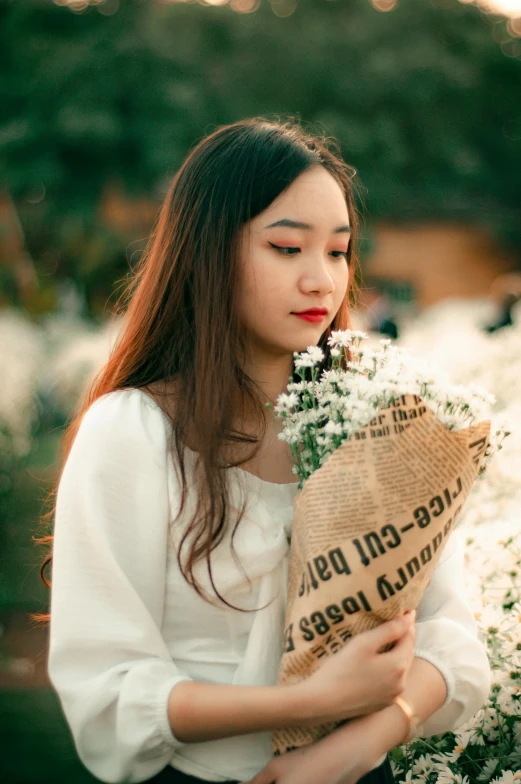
x: 205, y: 711
x: 108, y: 661
x: 357, y: 680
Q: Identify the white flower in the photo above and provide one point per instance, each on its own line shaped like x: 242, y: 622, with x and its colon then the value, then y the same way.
x: 488, y: 769
x: 508, y: 777
x: 316, y: 353
x: 345, y: 337
x: 424, y: 765
x: 333, y: 428
x: 330, y: 377
x: 449, y: 756
x: 304, y: 360
x: 445, y: 776
x: 287, y: 402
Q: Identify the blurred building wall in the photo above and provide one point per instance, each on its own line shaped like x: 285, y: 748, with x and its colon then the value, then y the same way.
x: 436, y: 260
x: 131, y: 216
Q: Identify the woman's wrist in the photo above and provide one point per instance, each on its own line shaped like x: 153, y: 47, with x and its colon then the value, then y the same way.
x: 299, y: 707
x: 314, y: 707
x: 374, y: 735
x: 412, y: 718
x: 381, y: 731
x: 386, y: 729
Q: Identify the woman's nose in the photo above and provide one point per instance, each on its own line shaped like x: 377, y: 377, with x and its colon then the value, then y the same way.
x: 317, y: 278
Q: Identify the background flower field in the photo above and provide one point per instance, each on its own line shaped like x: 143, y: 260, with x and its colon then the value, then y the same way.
x: 487, y: 748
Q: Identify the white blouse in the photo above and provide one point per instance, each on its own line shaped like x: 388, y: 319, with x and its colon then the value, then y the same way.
x: 126, y: 627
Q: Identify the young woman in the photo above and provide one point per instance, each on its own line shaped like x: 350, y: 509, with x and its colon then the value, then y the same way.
x: 174, y: 503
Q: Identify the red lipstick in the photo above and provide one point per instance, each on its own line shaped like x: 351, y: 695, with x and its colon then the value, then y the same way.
x: 314, y: 315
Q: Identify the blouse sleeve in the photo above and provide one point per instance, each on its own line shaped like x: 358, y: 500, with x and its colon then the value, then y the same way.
x: 447, y: 636
x: 108, y: 661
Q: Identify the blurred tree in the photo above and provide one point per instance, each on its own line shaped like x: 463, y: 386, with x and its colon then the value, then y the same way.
x: 422, y: 99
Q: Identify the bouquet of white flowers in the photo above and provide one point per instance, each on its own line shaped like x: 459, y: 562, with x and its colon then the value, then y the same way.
x: 387, y: 451
x: 321, y: 413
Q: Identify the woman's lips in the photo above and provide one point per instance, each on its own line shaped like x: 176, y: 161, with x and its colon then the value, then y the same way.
x: 314, y: 317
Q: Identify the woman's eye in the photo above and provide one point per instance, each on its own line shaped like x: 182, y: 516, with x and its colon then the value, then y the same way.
x: 286, y: 251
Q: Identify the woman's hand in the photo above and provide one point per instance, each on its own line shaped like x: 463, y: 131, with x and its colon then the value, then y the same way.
x: 305, y: 769
x: 322, y: 763
x: 284, y: 769
x: 359, y: 679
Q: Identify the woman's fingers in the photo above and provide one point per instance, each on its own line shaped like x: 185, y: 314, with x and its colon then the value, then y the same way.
x: 405, y: 645
x: 390, y: 631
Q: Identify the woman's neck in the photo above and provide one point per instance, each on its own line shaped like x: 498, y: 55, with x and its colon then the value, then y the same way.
x: 270, y: 374
x: 272, y: 462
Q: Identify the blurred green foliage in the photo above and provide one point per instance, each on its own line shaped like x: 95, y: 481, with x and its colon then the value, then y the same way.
x: 36, y: 741
x: 22, y: 503
x: 423, y: 100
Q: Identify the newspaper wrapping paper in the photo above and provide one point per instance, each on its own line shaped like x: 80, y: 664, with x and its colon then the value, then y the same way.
x: 369, y: 527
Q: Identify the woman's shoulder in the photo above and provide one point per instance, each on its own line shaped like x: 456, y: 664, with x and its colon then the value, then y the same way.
x: 122, y: 406
x: 119, y: 400
x: 123, y: 422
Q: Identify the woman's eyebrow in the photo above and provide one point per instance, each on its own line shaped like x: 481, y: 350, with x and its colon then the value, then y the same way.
x: 291, y: 224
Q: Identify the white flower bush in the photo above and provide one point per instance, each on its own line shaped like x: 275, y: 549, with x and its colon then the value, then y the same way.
x: 45, y: 364
x: 486, y: 750
x: 452, y: 333
x: 75, y: 352
x: 21, y: 362
x: 456, y: 341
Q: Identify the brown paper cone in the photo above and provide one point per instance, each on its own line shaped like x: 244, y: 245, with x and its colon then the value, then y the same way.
x: 368, y: 531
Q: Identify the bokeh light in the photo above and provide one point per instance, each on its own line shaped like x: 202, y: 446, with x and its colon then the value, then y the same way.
x: 283, y: 8
x: 384, y: 5
x: 510, y: 8
x: 245, y: 6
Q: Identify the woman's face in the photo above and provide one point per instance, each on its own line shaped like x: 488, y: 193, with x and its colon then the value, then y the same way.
x: 293, y: 258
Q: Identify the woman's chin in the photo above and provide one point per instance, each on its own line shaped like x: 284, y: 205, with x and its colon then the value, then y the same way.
x: 301, y: 344
x: 293, y: 344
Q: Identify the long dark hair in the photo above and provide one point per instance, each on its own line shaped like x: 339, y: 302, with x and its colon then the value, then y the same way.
x: 180, y: 307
